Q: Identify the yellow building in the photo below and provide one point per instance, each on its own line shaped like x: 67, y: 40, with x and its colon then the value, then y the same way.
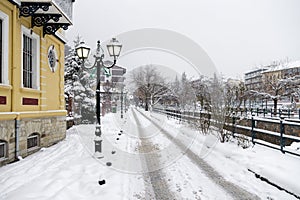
x: 32, y: 108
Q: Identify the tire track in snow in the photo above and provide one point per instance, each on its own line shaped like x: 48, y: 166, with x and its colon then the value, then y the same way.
x: 235, y: 191
x: 156, y: 180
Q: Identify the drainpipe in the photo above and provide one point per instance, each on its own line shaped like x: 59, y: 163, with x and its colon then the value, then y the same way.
x: 17, y: 137
x: 13, y: 81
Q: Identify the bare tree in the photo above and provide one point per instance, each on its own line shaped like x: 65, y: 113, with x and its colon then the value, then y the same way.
x: 235, y: 95
x: 149, y: 83
x: 224, y: 97
x: 201, y: 89
x: 184, y: 91
x: 219, y: 105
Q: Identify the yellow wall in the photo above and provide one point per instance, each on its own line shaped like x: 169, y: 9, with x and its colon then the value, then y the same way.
x: 6, y: 90
x: 51, y: 93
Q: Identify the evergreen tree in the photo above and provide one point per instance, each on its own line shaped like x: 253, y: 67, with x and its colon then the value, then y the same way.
x: 78, y: 86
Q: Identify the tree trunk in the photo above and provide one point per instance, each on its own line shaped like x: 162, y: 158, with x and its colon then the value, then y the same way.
x: 275, y: 106
x: 147, y: 103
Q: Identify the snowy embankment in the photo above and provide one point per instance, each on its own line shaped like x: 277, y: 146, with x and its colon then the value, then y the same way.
x: 233, y: 162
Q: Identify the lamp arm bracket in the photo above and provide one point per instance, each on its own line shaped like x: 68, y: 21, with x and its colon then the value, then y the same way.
x: 108, y: 67
x: 86, y: 68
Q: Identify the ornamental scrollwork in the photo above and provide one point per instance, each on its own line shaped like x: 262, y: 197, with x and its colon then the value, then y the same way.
x: 42, y: 19
x: 29, y: 8
x: 51, y: 28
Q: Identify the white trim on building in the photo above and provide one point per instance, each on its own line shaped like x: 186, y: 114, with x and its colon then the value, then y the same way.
x: 5, y: 41
x: 36, y: 57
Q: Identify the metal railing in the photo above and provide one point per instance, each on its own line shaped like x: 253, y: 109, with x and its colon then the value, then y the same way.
x: 263, y: 112
x: 205, y: 117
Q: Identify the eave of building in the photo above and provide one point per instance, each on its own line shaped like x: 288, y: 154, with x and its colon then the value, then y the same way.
x: 48, y: 14
x: 16, y: 2
x: 254, y: 71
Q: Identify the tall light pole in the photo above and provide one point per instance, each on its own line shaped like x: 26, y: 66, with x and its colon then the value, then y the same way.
x: 82, y: 51
x: 122, y: 87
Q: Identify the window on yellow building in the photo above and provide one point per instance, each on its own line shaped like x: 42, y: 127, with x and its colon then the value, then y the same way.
x: 30, y: 59
x: 27, y: 61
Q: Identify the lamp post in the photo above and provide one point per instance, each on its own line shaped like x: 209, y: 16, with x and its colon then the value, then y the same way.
x: 82, y: 51
x: 125, y: 100
x: 122, y: 87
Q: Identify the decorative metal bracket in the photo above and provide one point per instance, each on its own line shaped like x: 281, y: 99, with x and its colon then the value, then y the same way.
x: 42, y: 19
x: 51, y: 28
x: 29, y: 8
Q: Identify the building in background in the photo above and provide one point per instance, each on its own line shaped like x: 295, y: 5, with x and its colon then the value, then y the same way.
x: 112, y: 87
x: 270, y: 80
x: 254, y: 79
x: 274, y: 74
x: 32, y: 107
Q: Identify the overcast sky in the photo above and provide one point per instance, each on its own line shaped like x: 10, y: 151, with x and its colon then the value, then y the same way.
x: 236, y: 34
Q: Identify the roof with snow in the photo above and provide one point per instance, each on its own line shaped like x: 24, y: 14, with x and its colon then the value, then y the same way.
x: 283, y: 66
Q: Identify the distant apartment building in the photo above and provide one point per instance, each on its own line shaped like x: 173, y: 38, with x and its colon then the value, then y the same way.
x: 266, y: 78
x: 292, y: 70
x: 274, y: 74
x: 257, y: 78
x: 254, y: 79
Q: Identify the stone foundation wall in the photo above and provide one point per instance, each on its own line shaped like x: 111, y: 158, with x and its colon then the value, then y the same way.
x: 289, y: 129
x: 7, y: 134
x: 50, y: 131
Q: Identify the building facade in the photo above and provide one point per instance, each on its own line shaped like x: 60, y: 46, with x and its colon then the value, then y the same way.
x: 32, y: 106
x: 273, y: 75
x: 254, y: 79
x: 112, y: 87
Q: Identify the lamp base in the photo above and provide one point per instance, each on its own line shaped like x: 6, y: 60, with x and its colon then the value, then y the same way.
x: 98, y: 155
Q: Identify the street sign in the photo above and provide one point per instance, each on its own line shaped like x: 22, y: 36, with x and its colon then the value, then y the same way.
x: 106, y: 72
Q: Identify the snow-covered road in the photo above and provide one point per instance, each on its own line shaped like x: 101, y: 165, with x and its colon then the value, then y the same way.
x: 152, y: 158
x: 232, y: 189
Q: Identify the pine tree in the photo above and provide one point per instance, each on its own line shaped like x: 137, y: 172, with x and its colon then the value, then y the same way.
x: 78, y: 86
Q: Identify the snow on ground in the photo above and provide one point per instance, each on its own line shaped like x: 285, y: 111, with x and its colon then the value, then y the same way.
x: 65, y: 171
x: 68, y: 170
x: 233, y: 163
x: 185, y: 180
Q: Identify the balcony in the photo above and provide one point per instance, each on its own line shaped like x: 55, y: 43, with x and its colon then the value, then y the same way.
x: 49, y: 14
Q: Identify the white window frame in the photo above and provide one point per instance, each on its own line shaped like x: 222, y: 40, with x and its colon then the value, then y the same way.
x: 36, y: 57
x: 5, y: 41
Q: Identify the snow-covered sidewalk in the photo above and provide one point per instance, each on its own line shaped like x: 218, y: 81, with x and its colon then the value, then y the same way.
x: 68, y: 169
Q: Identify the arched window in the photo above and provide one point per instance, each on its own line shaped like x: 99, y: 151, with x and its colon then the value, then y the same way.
x: 3, y: 149
x: 33, y: 140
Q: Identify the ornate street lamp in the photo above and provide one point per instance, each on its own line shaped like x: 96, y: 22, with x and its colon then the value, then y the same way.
x: 82, y: 50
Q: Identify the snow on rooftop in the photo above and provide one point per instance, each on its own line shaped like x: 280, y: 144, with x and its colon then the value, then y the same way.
x: 272, y: 68
x: 283, y: 66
